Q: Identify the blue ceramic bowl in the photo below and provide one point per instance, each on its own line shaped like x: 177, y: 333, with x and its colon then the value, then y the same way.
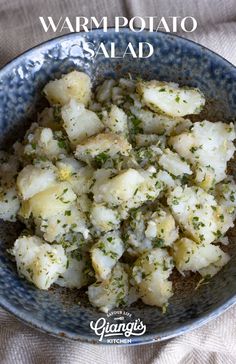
x: 175, y: 59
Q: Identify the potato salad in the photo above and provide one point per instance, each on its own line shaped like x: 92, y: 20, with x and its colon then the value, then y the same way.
x: 117, y: 187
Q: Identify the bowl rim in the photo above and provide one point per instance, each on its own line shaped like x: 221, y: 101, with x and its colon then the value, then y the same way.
x: 193, y: 324
x: 42, y: 326
x: 110, y: 29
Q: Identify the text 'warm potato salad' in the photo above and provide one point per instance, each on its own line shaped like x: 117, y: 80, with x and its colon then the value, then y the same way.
x: 117, y: 188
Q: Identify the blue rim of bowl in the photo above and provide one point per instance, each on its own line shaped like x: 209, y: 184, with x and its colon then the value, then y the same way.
x: 146, y: 339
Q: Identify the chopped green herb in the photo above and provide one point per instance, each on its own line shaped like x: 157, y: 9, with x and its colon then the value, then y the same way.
x: 158, y: 243
x: 61, y: 144
x: 101, y: 158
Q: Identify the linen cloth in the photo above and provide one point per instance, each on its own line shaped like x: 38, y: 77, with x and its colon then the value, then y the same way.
x: 20, y: 29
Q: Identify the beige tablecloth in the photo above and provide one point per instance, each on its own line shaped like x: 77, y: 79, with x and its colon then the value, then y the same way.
x: 21, y: 29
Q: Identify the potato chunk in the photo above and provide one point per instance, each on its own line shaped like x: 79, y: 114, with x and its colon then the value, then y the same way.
x: 226, y: 195
x: 74, y: 172
x: 161, y: 228
x: 75, y: 274
x: 101, y: 176
x: 112, y: 292
x: 106, y: 253
x: 76, y: 85
x: 150, y: 272
x: 67, y: 167
x: 129, y: 189
x: 52, y: 201
x: 172, y: 162
x: 147, y: 156
x: 120, y: 188
x: 197, y: 212
x: 146, y: 140
x: 215, y: 267
x: 9, y: 204
x: 104, y: 218
x: 134, y: 232
x: 80, y: 123
x: 207, y: 144
x: 43, y: 142
x: 104, y: 91
x: 105, y: 145
x: 149, y: 189
x: 63, y: 223
x: 152, y: 123
x: 39, y: 262
x: 80, y: 180
x: 116, y: 121
x: 204, y: 177
x: 170, y: 99
x: 191, y: 256
x: 33, y: 179
x: 146, y: 230
x: 168, y: 182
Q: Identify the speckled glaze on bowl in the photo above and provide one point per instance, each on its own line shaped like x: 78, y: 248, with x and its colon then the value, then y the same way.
x: 175, y: 59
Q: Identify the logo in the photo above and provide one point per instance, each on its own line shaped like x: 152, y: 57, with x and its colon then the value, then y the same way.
x: 118, y: 327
